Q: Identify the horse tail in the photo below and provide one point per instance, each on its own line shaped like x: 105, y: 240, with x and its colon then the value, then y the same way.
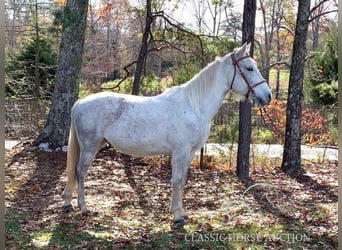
x: 72, y: 159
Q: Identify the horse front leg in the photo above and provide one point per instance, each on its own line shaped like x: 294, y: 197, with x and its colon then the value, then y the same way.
x: 180, y: 166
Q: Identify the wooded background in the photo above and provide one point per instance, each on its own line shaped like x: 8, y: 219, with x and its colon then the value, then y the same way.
x: 115, y: 30
x: 144, y: 47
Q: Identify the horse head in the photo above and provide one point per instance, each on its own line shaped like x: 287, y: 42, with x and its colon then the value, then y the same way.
x: 247, y: 80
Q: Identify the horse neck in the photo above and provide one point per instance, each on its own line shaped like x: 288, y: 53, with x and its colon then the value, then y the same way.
x: 207, y: 90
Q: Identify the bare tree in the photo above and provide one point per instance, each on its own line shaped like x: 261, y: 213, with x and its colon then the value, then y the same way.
x: 292, y: 148
x: 199, y: 11
x: 110, y: 41
x: 17, y: 15
x: 212, y: 17
x: 143, y: 49
x: 319, y: 19
x: 233, y: 26
x: 272, y: 19
x: 248, y: 26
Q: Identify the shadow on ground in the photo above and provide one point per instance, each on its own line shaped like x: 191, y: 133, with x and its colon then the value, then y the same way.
x: 130, y: 198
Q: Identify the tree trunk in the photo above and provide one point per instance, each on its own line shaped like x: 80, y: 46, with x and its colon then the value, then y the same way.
x: 277, y: 91
x: 143, y: 50
x: 242, y: 169
x: 291, y: 155
x: 66, y: 88
x: 36, y: 94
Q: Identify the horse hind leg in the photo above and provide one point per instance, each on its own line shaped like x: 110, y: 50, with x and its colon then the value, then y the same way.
x: 86, y: 157
x: 72, y: 159
x: 67, y: 195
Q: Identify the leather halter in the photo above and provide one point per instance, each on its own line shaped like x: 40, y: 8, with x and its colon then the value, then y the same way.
x: 236, y: 65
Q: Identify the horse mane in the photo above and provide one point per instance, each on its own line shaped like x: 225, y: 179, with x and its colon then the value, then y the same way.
x: 196, y: 88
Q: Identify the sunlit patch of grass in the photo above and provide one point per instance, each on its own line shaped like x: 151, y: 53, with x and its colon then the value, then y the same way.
x: 191, y: 227
x: 161, y: 227
x: 99, y: 234
x: 323, y: 211
x: 41, y: 239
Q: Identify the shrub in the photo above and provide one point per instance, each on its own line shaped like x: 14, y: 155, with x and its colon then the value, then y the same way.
x: 323, y: 70
x: 313, y: 125
x: 263, y: 136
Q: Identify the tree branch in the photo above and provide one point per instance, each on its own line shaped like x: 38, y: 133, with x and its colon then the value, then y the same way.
x: 175, y: 24
x: 287, y: 29
x: 277, y: 63
x: 322, y: 14
x: 318, y: 5
x: 117, y: 86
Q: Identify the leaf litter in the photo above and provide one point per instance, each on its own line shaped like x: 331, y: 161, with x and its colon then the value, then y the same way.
x: 129, y: 200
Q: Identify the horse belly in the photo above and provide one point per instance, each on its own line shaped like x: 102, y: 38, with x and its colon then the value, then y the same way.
x: 138, y: 140
x: 141, y: 150
x: 139, y: 147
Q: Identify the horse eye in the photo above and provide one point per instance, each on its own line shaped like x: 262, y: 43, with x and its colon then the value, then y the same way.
x: 249, y: 68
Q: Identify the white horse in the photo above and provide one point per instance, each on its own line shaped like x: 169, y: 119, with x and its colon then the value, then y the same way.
x: 176, y: 122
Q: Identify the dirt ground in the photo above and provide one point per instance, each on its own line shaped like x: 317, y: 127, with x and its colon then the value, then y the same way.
x: 129, y: 199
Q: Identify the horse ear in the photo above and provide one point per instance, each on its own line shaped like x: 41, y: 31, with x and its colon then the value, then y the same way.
x: 248, y: 48
x: 239, y: 52
x: 243, y: 50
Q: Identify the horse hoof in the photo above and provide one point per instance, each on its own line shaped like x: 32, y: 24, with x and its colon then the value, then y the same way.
x: 85, y: 213
x: 68, y: 208
x: 179, y: 222
x: 186, y: 218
